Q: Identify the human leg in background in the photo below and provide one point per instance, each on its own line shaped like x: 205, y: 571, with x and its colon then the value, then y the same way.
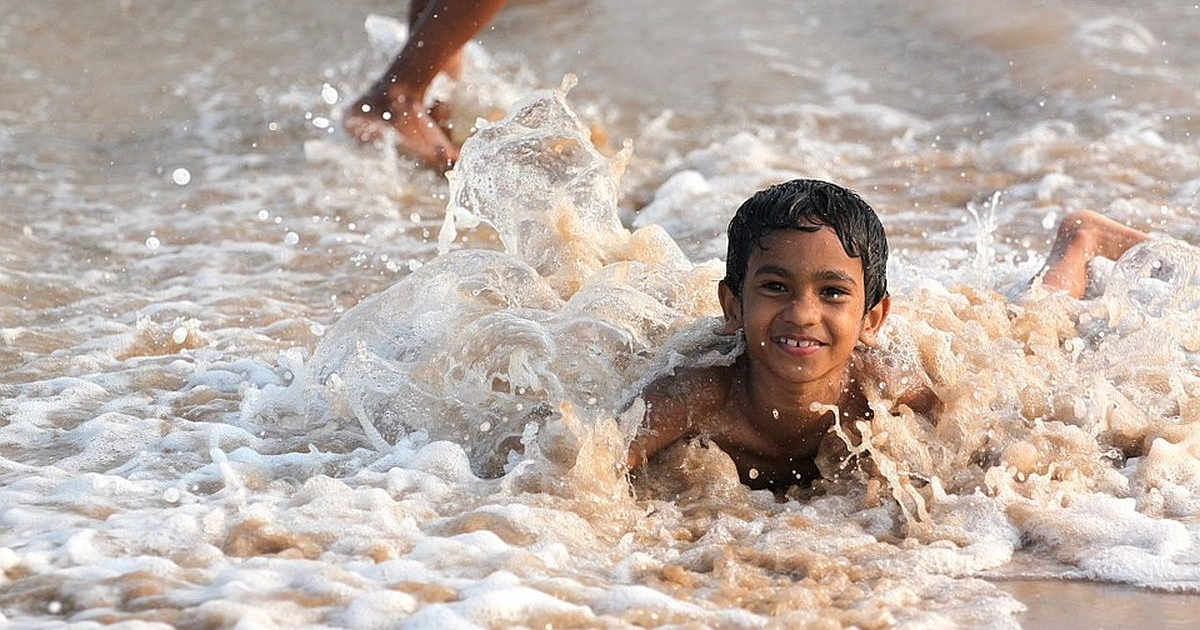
x: 438, y: 29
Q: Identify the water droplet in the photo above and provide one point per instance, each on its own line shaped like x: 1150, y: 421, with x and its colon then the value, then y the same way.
x: 181, y: 176
x: 152, y: 242
x: 753, y: 473
x: 291, y: 238
x: 485, y: 426
x: 171, y: 495
x: 180, y: 335
x: 329, y: 94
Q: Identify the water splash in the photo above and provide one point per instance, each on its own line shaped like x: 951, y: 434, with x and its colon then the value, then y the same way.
x: 478, y: 346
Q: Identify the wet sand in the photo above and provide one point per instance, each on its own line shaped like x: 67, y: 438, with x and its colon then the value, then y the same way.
x: 1070, y: 605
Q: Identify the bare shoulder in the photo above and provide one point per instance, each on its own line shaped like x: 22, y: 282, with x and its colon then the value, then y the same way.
x: 694, y: 385
x: 922, y: 400
x: 917, y: 392
x: 679, y: 406
x: 689, y: 399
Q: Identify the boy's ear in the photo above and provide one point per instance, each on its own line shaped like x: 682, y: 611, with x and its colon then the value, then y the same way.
x: 731, y: 306
x: 873, y: 321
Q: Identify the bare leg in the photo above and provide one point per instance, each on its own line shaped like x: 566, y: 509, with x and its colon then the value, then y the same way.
x: 437, y: 32
x: 1082, y: 236
x: 453, y: 64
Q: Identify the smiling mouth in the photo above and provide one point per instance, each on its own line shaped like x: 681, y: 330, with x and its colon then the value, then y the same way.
x: 798, y: 343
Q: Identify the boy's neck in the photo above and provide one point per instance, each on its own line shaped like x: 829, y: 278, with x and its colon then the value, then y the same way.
x: 787, y: 407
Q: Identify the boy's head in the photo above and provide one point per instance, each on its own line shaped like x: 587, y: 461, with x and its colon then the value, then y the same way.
x: 802, y: 203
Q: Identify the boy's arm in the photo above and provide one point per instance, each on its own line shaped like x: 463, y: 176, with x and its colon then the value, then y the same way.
x: 674, y: 406
x: 661, y: 427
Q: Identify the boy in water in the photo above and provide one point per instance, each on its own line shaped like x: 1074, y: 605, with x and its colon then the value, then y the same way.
x: 806, y: 285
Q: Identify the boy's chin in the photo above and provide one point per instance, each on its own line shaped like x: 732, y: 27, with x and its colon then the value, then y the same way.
x: 800, y: 375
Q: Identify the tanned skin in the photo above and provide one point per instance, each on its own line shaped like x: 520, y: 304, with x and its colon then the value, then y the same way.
x: 438, y: 29
x: 802, y: 312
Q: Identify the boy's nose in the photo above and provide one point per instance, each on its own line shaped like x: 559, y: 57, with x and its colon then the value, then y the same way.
x: 802, y: 311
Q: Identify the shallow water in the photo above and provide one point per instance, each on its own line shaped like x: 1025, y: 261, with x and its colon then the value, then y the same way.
x: 191, y: 248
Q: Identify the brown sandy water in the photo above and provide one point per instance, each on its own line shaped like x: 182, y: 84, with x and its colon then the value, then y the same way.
x: 184, y: 228
x: 1069, y: 605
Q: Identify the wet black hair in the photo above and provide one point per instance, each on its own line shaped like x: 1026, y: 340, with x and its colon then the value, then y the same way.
x: 800, y: 204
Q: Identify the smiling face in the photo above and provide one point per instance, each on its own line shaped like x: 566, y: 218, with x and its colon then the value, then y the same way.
x: 802, y: 309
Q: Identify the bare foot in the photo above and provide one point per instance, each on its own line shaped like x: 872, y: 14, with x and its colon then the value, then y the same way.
x: 419, y: 133
x: 440, y: 112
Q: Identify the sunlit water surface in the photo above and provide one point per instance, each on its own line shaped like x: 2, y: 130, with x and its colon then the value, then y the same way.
x: 241, y: 387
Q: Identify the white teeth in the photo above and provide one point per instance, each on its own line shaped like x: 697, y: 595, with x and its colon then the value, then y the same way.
x: 798, y: 343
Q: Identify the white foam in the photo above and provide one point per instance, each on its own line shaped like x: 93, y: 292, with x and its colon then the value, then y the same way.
x: 169, y: 450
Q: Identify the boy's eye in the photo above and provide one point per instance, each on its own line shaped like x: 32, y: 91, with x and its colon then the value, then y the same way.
x: 834, y: 292
x: 774, y: 287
